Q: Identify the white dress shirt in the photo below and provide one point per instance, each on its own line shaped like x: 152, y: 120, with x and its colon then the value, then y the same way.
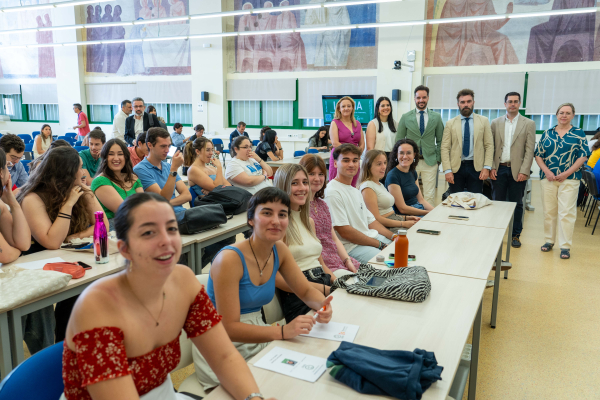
x: 119, y: 125
x: 509, y: 131
x: 425, y: 117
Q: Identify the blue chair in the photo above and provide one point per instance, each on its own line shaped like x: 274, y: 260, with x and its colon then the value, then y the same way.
x: 313, y: 151
x: 255, y: 143
x: 26, y: 137
x: 26, y: 165
x: 590, y: 181
x: 226, y: 151
x: 299, y: 153
x: 80, y: 148
x: 78, y: 143
x: 68, y: 139
x: 71, y: 135
x: 37, y: 378
x: 34, y: 134
x: 29, y: 147
x: 194, y: 195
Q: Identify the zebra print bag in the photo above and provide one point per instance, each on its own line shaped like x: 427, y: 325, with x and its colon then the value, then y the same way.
x: 406, y: 284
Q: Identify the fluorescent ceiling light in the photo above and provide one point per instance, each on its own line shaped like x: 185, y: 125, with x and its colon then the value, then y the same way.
x: 100, y: 25
x: 76, y: 3
x: 58, y: 28
x: 157, y: 21
x: 28, y: 8
x: 271, y: 32
x: 212, y: 35
x: 389, y: 24
x: 49, y: 5
x: 158, y: 39
x: 121, y: 41
x: 555, y: 12
x: 326, y: 28
x: 466, y: 19
x: 355, y: 3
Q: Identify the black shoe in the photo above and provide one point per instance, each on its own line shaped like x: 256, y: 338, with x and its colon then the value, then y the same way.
x: 516, y: 242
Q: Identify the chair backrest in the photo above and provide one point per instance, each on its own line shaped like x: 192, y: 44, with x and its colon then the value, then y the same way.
x: 299, y: 153
x: 68, y: 139
x: 71, y: 135
x: 590, y: 180
x: 35, y: 133
x: 255, y: 142
x: 218, y: 143
x: 79, y: 143
x: 26, y: 165
x: 26, y: 137
x: 29, y: 146
x: 80, y: 148
x: 37, y: 378
x: 312, y: 151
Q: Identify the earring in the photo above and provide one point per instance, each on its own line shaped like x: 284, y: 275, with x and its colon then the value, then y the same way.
x: 415, y: 160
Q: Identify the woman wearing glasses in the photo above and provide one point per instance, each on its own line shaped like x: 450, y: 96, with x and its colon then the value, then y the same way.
x: 247, y: 170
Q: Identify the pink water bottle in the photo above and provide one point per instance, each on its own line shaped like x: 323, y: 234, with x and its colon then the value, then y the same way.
x: 100, y: 239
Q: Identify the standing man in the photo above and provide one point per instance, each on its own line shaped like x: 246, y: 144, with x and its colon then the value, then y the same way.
x: 119, y: 121
x: 241, y: 130
x: 83, y: 125
x: 14, y: 147
x: 514, y: 145
x: 139, y: 122
x: 426, y: 128
x: 467, y: 147
x: 91, y: 157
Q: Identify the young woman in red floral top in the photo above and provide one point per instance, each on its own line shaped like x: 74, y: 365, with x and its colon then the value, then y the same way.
x: 123, y: 335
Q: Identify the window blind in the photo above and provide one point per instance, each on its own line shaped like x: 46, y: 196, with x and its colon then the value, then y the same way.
x: 39, y: 94
x: 177, y: 92
x: 261, y: 89
x: 110, y: 93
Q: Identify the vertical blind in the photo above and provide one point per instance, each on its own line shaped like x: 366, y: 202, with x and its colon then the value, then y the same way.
x: 246, y: 111
x: 278, y: 113
x: 261, y: 89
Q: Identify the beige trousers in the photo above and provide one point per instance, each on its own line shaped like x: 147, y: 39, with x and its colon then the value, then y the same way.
x: 559, y: 200
x: 428, y: 174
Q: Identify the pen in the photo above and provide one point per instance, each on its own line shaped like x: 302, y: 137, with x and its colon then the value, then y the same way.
x: 317, y: 313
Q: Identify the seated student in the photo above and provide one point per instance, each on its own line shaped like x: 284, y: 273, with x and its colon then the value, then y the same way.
x: 320, y: 140
x: 53, y: 145
x: 41, y: 143
x: 205, y: 171
x: 123, y: 336
x: 91, y: 156
x: 402, y: 180
x: 261, y: 136
x: 177, y: 138
x: 594, y: 139
x: 270, y: 147
x: 334, y: 254
x: 58, y: 208
x: 361, y: 234
x: 152, y: 110
x: 242, y: 281
x: 239, y: 131
x: 301, y: 239
x: 115, y: 180
x: 246, y: 169
x: 139, y: 151
x: 591, y: 162
x: 157, y: 175
x: 14, y: 148
x: 378, y: 200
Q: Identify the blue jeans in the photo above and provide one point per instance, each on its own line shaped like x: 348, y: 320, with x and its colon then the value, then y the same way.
x: 363, y: 254
x: 418, y: 206
x: 505, y: 188
x: 38, y: 329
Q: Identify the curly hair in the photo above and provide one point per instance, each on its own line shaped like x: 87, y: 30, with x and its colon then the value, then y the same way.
x: 10, y: 141
x: 393, y: 160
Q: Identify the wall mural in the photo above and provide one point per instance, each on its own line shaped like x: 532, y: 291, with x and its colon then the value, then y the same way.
x: 165, y: 57
x: 26, y: 63
x: 327, y: 50
x: 566, y: 38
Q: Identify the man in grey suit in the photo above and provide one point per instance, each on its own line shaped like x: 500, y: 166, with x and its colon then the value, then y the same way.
x: 514, y: 144
x: 426, y: 128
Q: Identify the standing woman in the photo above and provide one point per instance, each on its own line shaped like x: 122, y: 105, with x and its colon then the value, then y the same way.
x: 115, y: 180
x: 334, y: 254
x: 345, y: 129
x: 320, y: 140
x: 381, y: 131
x: 246, y: 169
x: 205, y: 171
x: 270, y: 147
x: 42, y: 141
x: 560, y: 154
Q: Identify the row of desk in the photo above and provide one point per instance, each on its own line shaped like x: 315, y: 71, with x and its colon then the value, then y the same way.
x: 459, y: 262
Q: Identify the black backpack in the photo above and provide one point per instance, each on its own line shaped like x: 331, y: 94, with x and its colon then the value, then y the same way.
x: 233, y: 199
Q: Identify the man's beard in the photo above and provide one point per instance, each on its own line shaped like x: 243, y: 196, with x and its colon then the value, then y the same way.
x: 466, y: 111
x: 424, y: 106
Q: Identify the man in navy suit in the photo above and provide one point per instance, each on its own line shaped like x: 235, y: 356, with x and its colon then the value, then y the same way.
x: 139, y: 122
x: 241, y: 130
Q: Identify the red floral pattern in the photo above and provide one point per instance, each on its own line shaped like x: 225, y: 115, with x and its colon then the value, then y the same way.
x: 319, y: 212
x: 100, y: 354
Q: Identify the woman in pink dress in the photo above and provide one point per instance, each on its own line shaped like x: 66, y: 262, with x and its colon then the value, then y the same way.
x: 345, y: 129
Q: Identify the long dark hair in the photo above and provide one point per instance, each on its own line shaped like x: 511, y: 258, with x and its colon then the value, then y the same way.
x: 319, y: 142
x: 52, y: 180
x: 262, y: 132
x: 267, y: 195
x: 269, y: 137
x: 189, y: 151
x: 390, y: 120
x: 393, y: 160
x: 3, y: 167
x: 123, y: 217
x: 42, y: 135
x: 109, y: 173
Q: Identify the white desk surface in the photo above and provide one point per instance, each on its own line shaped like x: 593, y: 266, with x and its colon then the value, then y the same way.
x: 441, y: 324
x: 296, y: 160
x: 474, y: 249
x: 497, y: 215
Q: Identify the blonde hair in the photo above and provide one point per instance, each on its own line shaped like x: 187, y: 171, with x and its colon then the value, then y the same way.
x: 367, y: 163
x: 283, y: 180
x: 568, y: 105
x: 338, y: 112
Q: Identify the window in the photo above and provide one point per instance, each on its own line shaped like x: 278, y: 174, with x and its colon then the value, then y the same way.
x: 590, y: 122
x: 11, y: 106
x: 313, y: 123
x: 173, y: 113
x: 101, y: 114
x: 247, y: 111
x: 262, y: 113
x: 544, y: 122
x: 42, y: 112
x: 491, y: 114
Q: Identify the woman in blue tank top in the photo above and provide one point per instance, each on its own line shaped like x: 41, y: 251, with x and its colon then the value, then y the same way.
x: 242, y: 281
x: 205, y: 172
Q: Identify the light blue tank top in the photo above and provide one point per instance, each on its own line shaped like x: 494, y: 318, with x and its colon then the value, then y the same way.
x: 198, y: 190
x: 252, y: 297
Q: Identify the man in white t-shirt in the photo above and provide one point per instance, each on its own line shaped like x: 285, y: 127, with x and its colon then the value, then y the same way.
x: 246, y: 169
x: 360, y: 233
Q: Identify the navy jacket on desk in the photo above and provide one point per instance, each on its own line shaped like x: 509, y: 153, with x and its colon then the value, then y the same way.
x: 235, y: 134
x: 130, y: 126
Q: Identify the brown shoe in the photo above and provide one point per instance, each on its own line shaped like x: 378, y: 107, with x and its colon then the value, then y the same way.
x: 505, y: 266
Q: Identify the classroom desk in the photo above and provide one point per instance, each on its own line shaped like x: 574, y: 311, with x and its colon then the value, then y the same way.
x: 296, y: 160
x: 440, y: 324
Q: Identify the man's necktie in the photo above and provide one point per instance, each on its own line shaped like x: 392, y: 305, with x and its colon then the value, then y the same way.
x: 422, y: 122
x: 467, y: 139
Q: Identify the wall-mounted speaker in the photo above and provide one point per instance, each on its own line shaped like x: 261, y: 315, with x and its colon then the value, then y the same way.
x: 204, y: 96
x: 396, y: 94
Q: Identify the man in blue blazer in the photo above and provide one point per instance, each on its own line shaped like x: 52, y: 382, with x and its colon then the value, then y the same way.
x: 241, y: 130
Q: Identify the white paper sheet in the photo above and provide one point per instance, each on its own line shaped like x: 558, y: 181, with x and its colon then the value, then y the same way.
x: 334, y: 331
x: 294, y: 364
x: 39, y: 264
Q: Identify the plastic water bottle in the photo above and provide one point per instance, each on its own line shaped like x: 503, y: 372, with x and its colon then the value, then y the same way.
x: 401, y: 249
x: 100, y: 239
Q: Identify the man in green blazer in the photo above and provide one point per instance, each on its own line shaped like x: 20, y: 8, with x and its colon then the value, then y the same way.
x: 425, y: 127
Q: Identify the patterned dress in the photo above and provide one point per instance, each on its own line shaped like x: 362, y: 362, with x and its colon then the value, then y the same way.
x: 559, y: 154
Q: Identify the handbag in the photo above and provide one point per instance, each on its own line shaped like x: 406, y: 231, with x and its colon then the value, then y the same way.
x: 18, y: 286
x: 405, y: 284
x: 74, y: 269
x: 202, y: 218
x: 233, y: 199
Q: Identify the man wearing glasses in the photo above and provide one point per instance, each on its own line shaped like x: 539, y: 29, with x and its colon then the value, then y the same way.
x: 14, y: 147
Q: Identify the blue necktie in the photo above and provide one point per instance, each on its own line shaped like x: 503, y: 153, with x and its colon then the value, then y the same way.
x: 422, y: 122
x: 467, y: 139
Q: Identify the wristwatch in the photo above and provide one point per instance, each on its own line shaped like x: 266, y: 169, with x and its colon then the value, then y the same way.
x: 253, y: 395
x: 174, y: 174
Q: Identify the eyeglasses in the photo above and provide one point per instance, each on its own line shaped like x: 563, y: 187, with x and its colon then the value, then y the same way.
x: 17, y: 159
x: 245, y: 147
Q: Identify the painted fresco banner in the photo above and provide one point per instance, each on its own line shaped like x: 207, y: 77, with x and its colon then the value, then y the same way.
x: 566, y: 38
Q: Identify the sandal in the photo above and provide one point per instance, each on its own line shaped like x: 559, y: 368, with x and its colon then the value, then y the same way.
x: 565, y: 254
x: 547, y: 247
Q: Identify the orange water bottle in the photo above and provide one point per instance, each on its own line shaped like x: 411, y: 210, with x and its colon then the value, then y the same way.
x: 401, y: 249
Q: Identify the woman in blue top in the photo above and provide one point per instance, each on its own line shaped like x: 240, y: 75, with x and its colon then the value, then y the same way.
x: 270, y: 147
x: 205, y: 171
x: 560, y: 154
x: 242, y: 281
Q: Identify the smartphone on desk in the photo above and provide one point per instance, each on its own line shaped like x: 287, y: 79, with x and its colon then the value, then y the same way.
x: 428, y: 232
x: 459, y: 217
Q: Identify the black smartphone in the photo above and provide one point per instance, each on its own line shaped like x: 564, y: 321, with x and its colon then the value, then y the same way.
x: 428, y: 232
x: 376, y: 281
x: 75, y: 246
x: 460, y: 217
x: 84, y: 265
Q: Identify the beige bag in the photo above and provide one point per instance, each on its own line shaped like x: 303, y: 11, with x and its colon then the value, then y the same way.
x: 18, y: 286
x: 467, y: 200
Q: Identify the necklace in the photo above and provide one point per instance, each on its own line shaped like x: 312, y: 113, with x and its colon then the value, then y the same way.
x: 256, y: 259
x: 161, y: 308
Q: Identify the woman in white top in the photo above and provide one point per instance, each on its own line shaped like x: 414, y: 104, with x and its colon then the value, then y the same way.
x: 381, y: 131
x: 42, y: 141
x: 301, y: 239
x: 378, y: 200
x: 246, y: 169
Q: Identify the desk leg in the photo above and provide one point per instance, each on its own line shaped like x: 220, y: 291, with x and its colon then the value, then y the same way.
x: 496, y: 287
x: 192, y: 258
x: 475, y: 354
x: 509, y: 243
x: 5, y: 353
x: 16, y: 337
x: 199, y: 254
